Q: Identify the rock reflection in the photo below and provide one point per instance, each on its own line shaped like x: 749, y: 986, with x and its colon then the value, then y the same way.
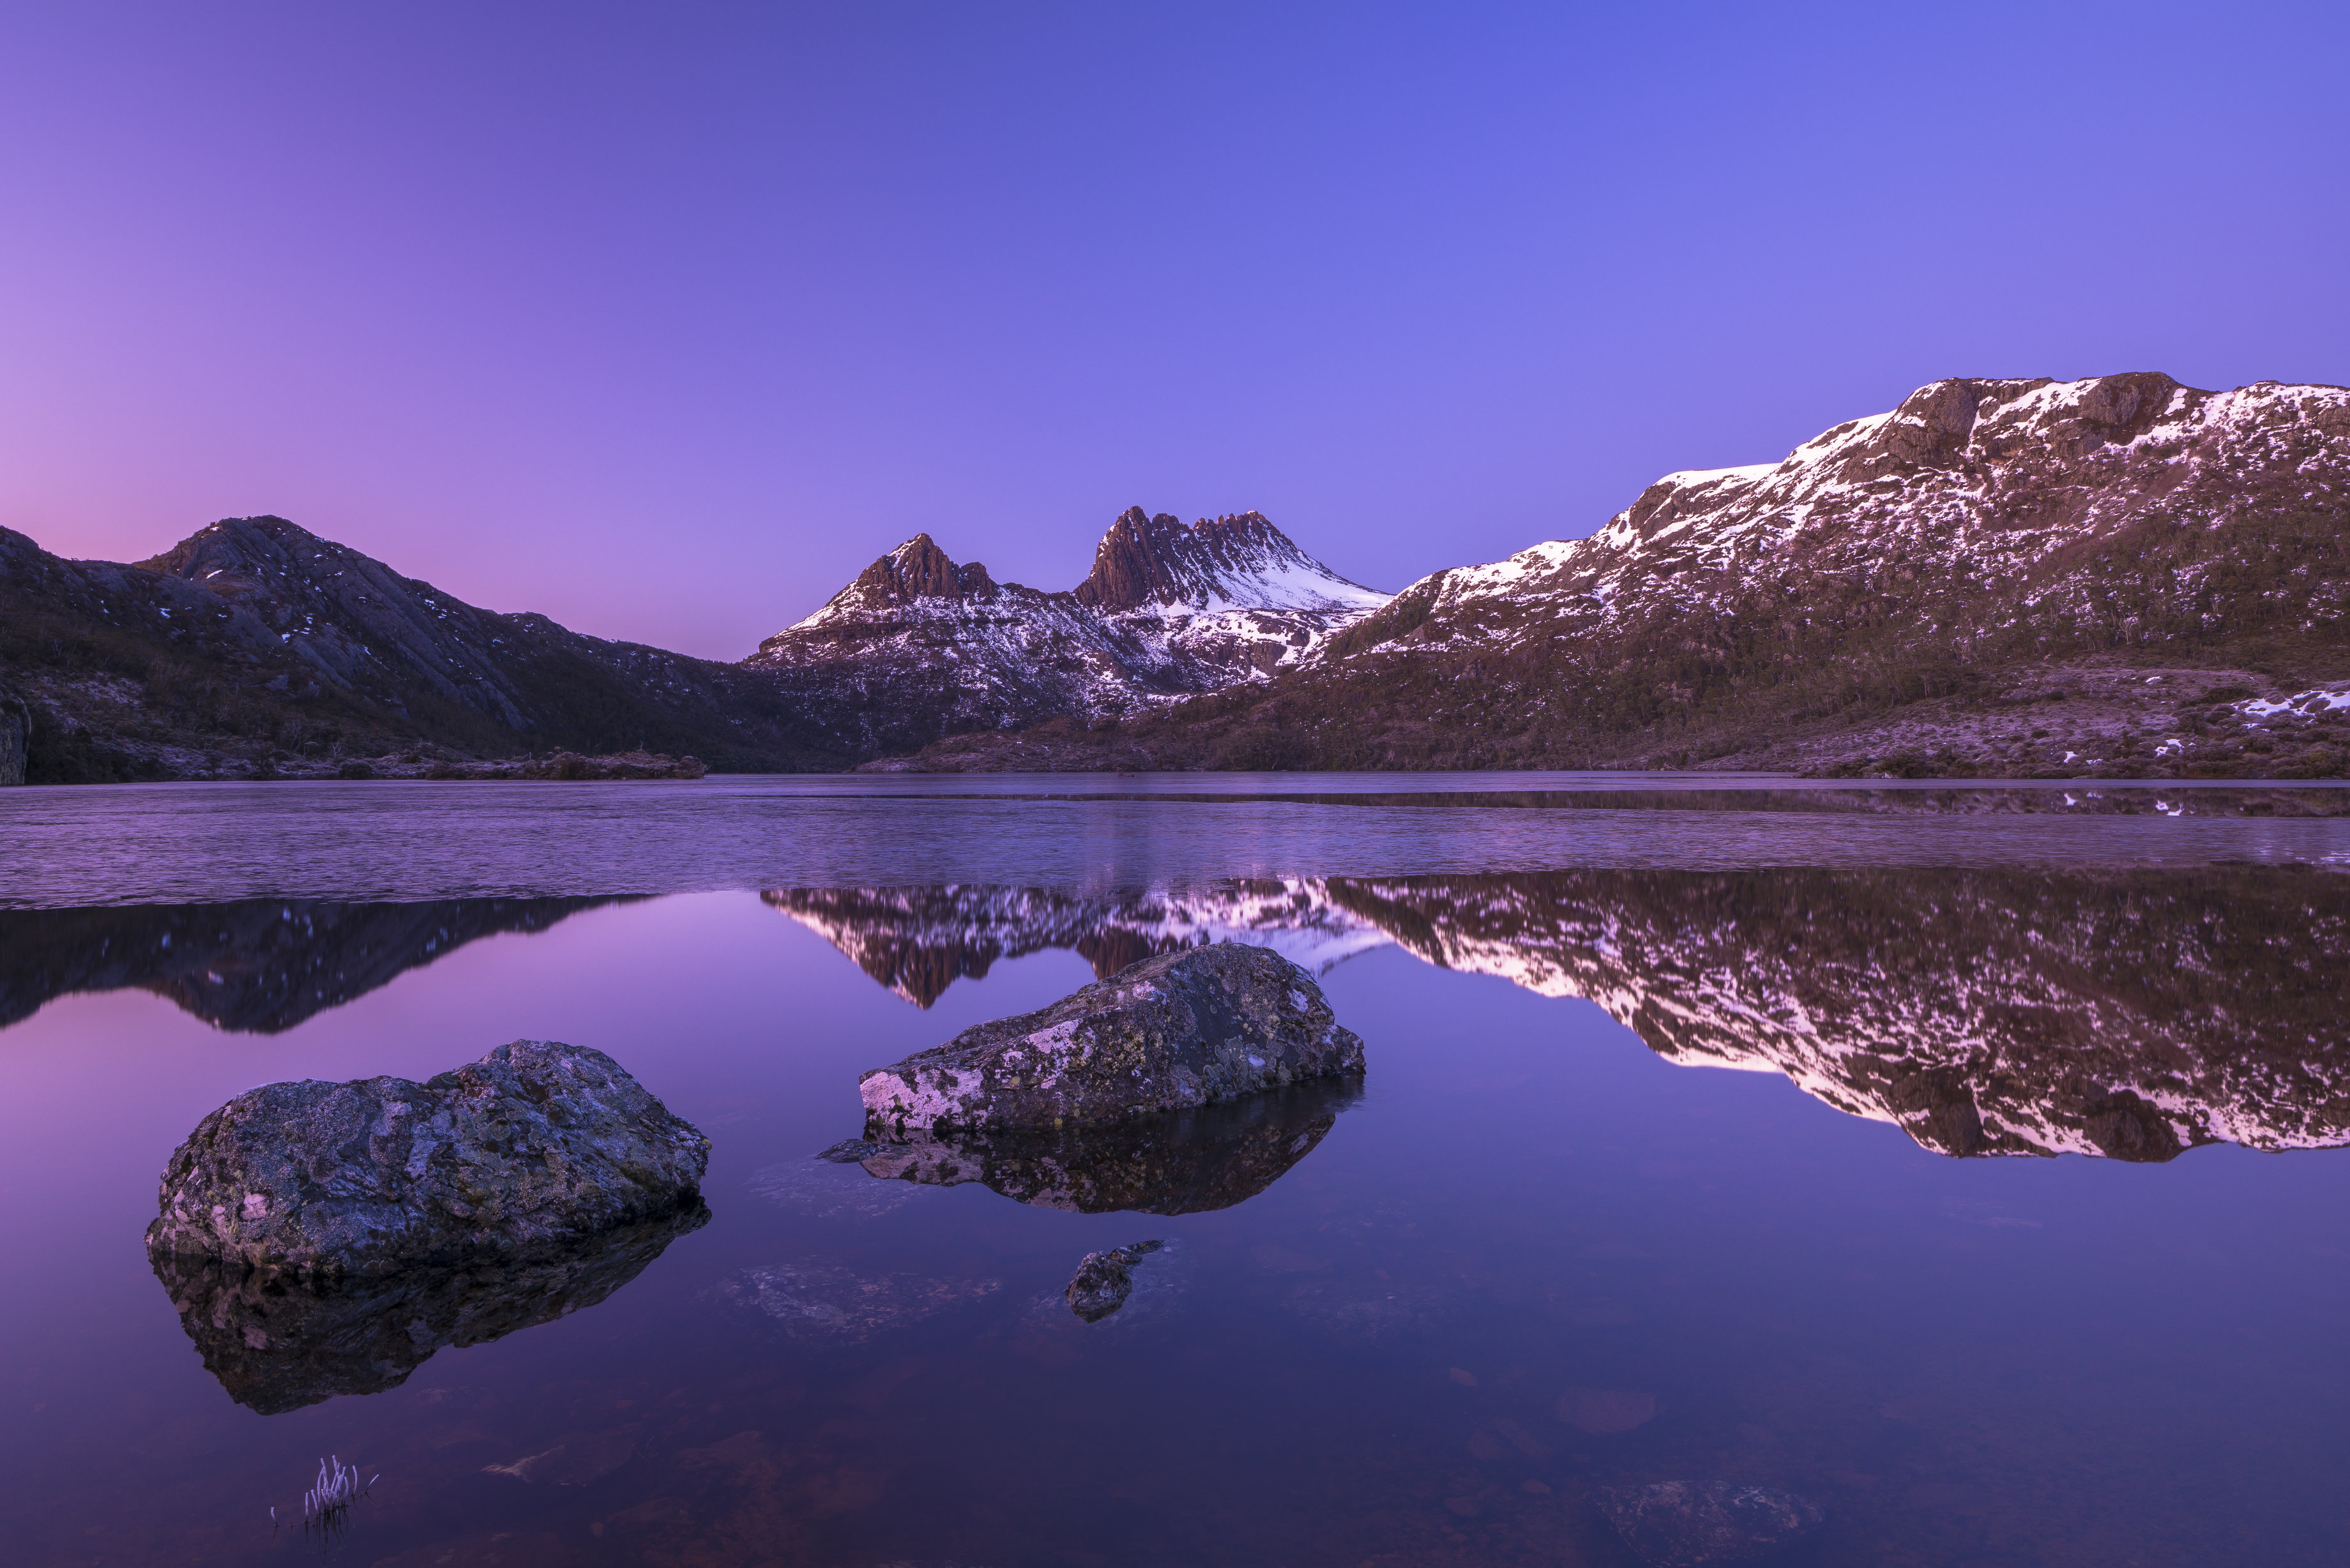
x: 1185, y: 1163
x: 260, y: 966
x: 277, y: 1346
x: 2127, y: 1014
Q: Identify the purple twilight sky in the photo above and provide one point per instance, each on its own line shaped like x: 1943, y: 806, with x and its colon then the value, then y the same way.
x: 666, y: 319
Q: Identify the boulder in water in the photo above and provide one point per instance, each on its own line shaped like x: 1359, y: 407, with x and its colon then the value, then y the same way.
x: 1180, y: 1029
x: 537, y: 1145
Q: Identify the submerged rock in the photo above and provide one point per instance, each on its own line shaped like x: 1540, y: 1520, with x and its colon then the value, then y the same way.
x: 828, y: 1187
x: 1681, y: 1524
x: 813, y: 1301
x: 1105, y: 1280
x: 576, y: 1460
x: 1178, y: 1031
x: 537, y: 1145
x: 278, y: 1344
x: 1364, y: 1312
x: 1186, y: 1162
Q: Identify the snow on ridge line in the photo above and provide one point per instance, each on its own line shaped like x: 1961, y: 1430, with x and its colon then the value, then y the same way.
x: 1798, y: 482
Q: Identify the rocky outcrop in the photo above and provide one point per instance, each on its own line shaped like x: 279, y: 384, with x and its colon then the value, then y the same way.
x: 275, y: 1348
x: 1178, y: 1031
x: 537, y: 1145
x: 1682, y: 1524
x: 1155, y: 561
x: 15, y: 737
x: 1104, y: 1280
x: 1186, y: 1162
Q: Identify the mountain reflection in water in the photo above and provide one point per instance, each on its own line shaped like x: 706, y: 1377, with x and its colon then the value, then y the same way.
x: 1185, y: 1163
x: 257, y: 967
x: 2129, y: 1014
x: 278, y: 1344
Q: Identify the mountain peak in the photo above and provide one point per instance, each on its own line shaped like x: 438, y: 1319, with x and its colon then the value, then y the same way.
x: 916, y: 570
x: 1239, y: 561
x: 241, y: 546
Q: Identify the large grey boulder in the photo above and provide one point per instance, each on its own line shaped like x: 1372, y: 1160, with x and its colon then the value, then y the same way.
x: 1180, y: 1029
x: 538, y: 1143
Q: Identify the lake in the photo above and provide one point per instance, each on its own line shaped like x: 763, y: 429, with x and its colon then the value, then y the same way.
x: 1967, y: 1162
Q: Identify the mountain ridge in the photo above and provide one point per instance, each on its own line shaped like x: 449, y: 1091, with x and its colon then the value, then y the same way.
x: 2000, y: 577
x: 1993, y: 578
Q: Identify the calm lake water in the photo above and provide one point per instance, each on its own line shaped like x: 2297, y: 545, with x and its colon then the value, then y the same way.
x: 1966, y: 1161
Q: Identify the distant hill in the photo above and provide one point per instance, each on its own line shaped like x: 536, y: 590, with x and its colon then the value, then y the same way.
x: 255, y: 641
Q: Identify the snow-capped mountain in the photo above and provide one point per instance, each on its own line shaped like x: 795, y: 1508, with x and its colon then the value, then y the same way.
x: 1997, y: 576
x: 1971, y: 497
x: 2126, y: 1014
x: 1977, y: 544
x: 919, y: 646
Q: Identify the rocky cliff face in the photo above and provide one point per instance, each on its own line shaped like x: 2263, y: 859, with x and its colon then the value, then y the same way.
x: 16, y: 733
x: 2127, y: 1014
x: 1998, y: 577
x: 254, y: 638
x: 919, y: 646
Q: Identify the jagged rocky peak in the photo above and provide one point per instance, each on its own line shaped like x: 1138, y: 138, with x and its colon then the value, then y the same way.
x: 916, y: 570
x: 1239, y: 561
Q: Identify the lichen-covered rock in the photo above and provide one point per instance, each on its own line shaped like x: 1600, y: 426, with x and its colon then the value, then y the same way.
x: 1104, y: 1280
x: 536, y: 1144
x: 1681, y: 1524
x: 1181, y: 1162
x: 1180, y: 1030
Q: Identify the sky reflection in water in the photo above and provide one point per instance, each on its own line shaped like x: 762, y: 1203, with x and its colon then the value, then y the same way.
x: 1538, y: 1256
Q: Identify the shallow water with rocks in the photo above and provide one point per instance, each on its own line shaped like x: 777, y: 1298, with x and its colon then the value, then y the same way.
x: 1966, y: 1167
